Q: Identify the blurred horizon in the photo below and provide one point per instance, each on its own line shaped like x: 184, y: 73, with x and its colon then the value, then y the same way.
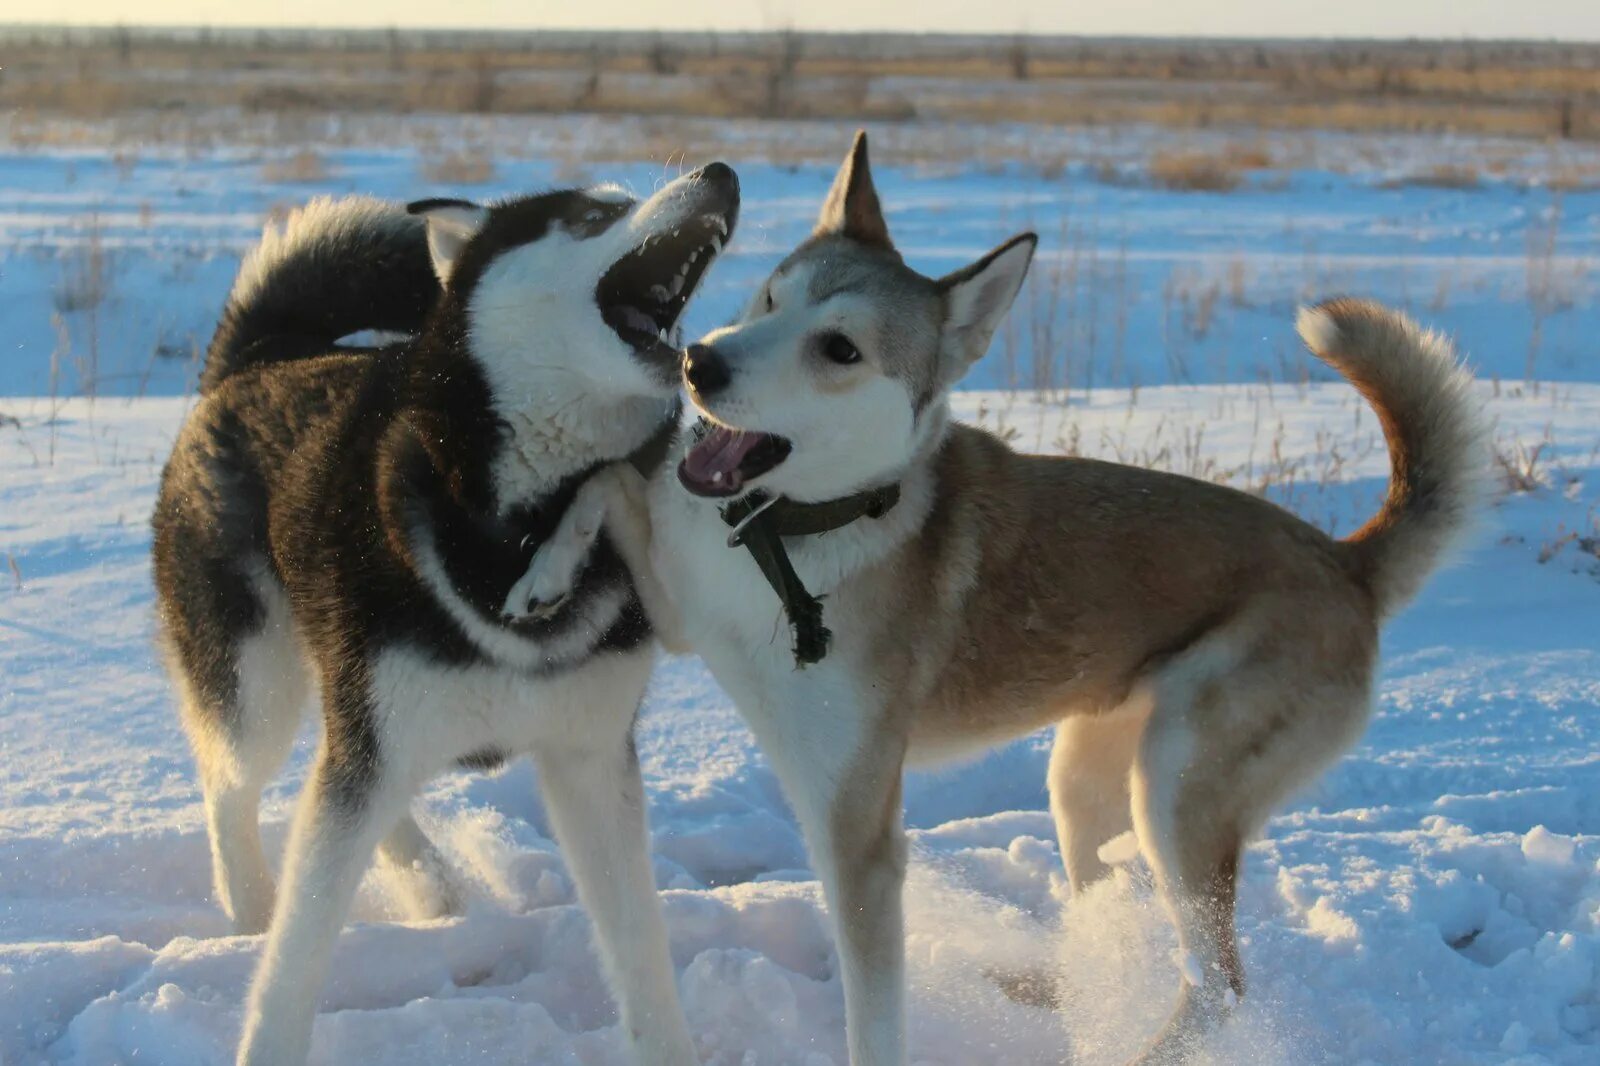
x: 1538, y: 20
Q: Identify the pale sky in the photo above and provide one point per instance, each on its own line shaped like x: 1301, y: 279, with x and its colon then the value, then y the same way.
x: 1561, y: 19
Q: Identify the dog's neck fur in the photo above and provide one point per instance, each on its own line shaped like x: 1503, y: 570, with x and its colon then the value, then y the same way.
x: 556, y: 426
x: 550, y: 422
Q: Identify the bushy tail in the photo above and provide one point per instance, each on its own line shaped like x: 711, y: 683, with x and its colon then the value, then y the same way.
x: 1437, y: 436
x: 332, y: 268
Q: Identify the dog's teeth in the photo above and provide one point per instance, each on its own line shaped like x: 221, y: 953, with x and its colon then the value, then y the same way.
x: 716, y: 477
x: 663, y: 335
x: 677, y: 284
x: 716, y: 245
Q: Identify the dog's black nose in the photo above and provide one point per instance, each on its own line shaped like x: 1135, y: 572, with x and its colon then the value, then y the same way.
x: 719, y: 174
x: 705, y: 370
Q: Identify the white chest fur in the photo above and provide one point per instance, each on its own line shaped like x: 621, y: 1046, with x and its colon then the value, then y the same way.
x: 439, y: 713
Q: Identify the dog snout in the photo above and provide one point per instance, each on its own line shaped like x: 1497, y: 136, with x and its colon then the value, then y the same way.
x: 705, y: 369
x: 719, y: 174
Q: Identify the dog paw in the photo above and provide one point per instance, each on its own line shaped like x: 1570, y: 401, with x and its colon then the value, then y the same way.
x: 533, y: 600
x: 547, y: 584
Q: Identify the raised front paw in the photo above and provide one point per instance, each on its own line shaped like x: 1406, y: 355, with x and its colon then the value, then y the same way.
x: 547, y: 584
x: 541, y: 591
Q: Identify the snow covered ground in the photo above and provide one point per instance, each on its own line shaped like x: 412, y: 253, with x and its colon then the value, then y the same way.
x: 114, y: 263
x: 1435, y: 898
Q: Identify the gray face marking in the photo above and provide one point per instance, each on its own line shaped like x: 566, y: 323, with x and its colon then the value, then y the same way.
x: 907, y: 311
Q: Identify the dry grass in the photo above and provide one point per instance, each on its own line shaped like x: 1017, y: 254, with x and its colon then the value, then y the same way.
x: 1440, y: 176
x: 1568, y: 178
x: 303, y: 166
x: 1193, y: 172
x: 471, y: 166
x: 1517, y: 89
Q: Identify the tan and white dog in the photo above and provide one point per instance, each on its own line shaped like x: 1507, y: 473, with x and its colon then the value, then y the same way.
x: 1202, y: 652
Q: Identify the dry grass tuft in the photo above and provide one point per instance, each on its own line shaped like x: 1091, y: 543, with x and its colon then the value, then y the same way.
x: 304, y: 166
x: 1193, y: 172
x: 1573, y: 179
x: 1442, y: 176
x: 470, y: 166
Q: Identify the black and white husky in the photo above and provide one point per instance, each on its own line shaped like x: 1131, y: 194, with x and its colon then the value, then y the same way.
x: 362, y: 519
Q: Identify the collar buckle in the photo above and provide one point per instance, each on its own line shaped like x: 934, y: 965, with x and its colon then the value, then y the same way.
x: 736, y: 535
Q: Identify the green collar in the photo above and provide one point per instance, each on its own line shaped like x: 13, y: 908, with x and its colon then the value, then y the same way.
x: 760, y: 522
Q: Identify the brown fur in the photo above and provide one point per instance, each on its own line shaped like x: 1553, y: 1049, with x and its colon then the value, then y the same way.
x: 1204, y: 651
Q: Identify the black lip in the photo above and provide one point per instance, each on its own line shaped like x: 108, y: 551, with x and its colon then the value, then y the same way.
x: 764, y: 458
x: 643, y: 280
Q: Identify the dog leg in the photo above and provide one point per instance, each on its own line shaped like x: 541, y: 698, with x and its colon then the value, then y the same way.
x: 866, y: 865
x: 613, y: 499
x: 847, y: 798
x: 1089, y: 768
x: 238, y: 747
x: 1192, y: 846
x: 553, y: 570
x: 431, y: 887
x: 340, y: 819
x: 595, y: 799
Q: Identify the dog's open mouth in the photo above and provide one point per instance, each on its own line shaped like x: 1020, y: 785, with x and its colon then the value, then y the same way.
x: 645, y: 291
x: 722, y: 461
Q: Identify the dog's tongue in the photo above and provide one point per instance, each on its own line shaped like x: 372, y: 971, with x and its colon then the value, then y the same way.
x: 636, y: 319
x: 712, y: 466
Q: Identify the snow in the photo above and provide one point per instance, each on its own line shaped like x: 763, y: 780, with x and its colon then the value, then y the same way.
x: 1434, y: 898
x: 1132, y: 285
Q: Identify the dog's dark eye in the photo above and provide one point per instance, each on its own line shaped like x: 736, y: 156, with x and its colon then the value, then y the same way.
x: 838, y: 349
x: 593, y: 219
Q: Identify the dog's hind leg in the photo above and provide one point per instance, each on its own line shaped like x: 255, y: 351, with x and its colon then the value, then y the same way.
x: 350, y: 802
x: 595, y: 799
x: 1089, y: 768
x: 242, y: 689
x: 1193, y: 852
x: 430, y: 886
x: 1239, y: 722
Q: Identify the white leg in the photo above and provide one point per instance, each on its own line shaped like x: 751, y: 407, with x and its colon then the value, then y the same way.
x: 553, y: 570
x: 595, y: 799
x: 1089, y: 768
x: 240, y: 876
x: 238, y: 749
x: 841, y: 772
x: 1192, y: 844
x: 431, y: 887
x: 339, y: 821
x: 614, y: 499
x: 863, y: 869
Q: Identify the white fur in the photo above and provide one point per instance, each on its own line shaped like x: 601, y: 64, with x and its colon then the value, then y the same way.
x: 571, y: 393
x: 976, y: 305
x: 851, y: 426
x: 577, y: 726
x: 450, y: 227
x: 504, y: 646
x: 325, y: 220
x: 567, y: 386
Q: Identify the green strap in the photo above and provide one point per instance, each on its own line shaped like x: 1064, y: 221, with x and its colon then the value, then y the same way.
x: 760, y: 523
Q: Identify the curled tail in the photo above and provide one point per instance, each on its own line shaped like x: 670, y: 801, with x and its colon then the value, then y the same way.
x: 1437, y: 436
x: 332, y: 268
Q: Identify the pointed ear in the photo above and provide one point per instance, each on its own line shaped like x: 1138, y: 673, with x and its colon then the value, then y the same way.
x: 977, y: 298
x: 852, y: 209
x: 451, y: 224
